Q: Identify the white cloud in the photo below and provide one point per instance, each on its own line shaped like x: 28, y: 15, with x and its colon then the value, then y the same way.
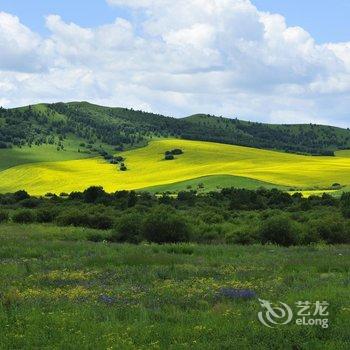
x: 181, y: 57
x: 20, y: 49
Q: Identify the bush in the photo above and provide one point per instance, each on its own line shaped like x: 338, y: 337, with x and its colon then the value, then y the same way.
x: 21, y: 195
x: 78, y: 218
x: 279, y: 230
x: 24, y: 217
x: 96, y: 237
x: 100, y: 222
x: 4, y: 216
x: 243, y: 235
x: 74, y: 218
x: 169, y: 157
x: 45, y: 215
x: 93, y: 193
x: 128, y: 228
x: 30, y: 203
x: 332, y: 230
x: 164, y: 225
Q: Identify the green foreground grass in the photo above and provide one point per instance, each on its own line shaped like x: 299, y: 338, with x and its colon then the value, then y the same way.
x: 60, y: 291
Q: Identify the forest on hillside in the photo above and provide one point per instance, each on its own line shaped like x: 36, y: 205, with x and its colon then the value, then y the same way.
x: 125, y: 128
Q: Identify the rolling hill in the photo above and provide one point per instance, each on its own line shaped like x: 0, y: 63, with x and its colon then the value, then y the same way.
x: 126, y: 128
x: 64, y: 147
x: 147, y: 168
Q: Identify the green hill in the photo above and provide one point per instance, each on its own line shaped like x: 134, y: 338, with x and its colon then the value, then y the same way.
x: 65, y: 143
x: 126, y: 128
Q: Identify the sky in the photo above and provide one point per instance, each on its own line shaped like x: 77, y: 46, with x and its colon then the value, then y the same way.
x: 263, y: 60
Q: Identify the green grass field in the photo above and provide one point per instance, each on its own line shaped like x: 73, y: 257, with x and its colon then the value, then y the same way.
x: 146, y: 168
x: 59, y: 291
x: 36, y: 154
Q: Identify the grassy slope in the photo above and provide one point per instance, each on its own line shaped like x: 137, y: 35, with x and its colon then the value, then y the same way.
x: 162, y: 297
x: 147, y: 168
x: 44, y: 153
x: 212, y: 183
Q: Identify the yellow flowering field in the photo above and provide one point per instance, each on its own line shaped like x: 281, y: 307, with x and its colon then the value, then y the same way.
x: 147, y: 168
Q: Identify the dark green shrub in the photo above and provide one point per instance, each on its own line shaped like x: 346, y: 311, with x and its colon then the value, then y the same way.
x: 46, y: 215
x: 211, y: 217
x: 79, y: 218
x: 74, y: 218
x: 95, y: 237
x: 24, y: 217
x: 244, y: 236
x: 164, y: 225
x: 93, y: 193
x: 345, y: 204
x: 177, y: 151
x: 21, y: 195
x: 213, y: 234
x: 4, y: 216
x: 332, y: 230
x: 346, y: 212
x: 119, y: 158
x: 310, y: 236
x: 169, y: 157
x: 128, y: 228
x: 30, y: 203
x: 100, y: 222
x: 279, y: 229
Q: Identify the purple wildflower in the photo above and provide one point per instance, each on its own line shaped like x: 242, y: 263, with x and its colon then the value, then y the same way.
x: 107, y: 299
x: 233, y: 293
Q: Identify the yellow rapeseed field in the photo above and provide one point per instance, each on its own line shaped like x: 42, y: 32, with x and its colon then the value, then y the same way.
x: 146, y: 168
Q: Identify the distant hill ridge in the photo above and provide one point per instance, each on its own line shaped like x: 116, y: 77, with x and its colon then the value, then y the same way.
x: 125, y: 128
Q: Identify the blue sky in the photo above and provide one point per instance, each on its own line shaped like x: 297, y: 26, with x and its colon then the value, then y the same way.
x: 87, y: 13
x: 278, y: 61
x: 326, y: 20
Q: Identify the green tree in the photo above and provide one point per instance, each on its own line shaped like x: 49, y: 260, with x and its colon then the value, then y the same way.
x: 164, y: 225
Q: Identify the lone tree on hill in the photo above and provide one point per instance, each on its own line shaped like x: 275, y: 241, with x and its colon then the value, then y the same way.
x: 169, y: 156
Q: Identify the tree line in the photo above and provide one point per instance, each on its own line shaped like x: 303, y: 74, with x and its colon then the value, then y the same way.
x: 235, y: 216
